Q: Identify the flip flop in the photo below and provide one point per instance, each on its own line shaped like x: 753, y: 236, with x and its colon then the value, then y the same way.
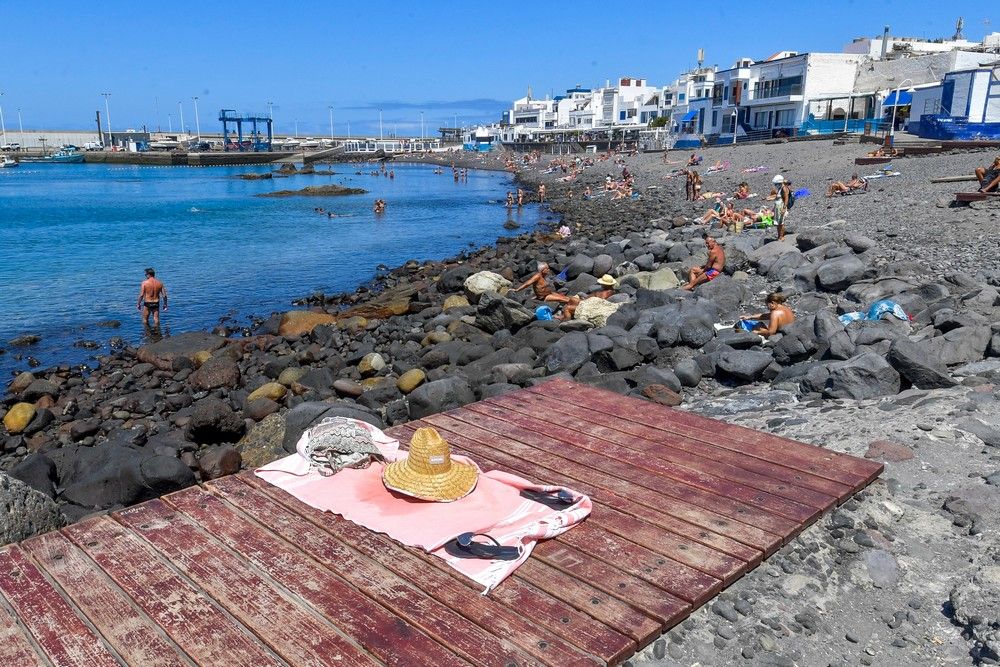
x: 560, y: 501
x: 464, y: 546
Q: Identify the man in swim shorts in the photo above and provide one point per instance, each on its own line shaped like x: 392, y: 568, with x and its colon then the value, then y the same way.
x: 711, y: 269
x: 150, y: 293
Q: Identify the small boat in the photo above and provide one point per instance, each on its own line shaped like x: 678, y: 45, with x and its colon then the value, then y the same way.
x: 7, y: 162
x: 309, y: 143
x: 59, y: 157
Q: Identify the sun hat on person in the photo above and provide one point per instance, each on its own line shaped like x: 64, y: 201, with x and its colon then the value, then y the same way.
x: 778, y: 179
x: 607, y: 281
x: 428, y: 473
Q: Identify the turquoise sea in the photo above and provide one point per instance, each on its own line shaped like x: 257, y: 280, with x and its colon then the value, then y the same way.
x: 74, y: 240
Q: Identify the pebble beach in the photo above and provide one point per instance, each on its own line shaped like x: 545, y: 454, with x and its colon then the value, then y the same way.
x: 907, y: 572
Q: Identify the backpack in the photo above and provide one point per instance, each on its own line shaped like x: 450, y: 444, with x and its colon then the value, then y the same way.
x: 791, y: 197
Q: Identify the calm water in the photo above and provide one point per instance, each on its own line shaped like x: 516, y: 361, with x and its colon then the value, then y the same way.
x: 74, y: 240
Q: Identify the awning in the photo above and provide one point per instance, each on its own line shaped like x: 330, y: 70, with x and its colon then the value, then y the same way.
x: 690, y: 115
x: 904, y: 99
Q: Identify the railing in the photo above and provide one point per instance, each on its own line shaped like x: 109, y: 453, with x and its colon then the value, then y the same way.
x: 813, y: 126
x: 944, y: 128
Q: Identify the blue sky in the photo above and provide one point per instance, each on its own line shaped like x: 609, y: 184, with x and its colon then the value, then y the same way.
x: 445, y: 59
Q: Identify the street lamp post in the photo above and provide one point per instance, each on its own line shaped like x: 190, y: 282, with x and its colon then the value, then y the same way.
x: 197, y: 122
x: 421, y: 125
x: 3, y: 128
x: 107, y: 117
x: 180, y: 109
x: 895, y: 104
x: 379, y: 123
x: 20, y: 128
x: 331, y: 121
x: 170, y: 122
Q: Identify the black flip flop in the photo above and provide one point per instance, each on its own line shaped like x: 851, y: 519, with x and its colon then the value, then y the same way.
x: 464, y: 546
x: 559, y: 501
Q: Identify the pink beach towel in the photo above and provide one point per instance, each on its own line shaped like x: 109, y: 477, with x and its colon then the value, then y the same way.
x: 494, y: 508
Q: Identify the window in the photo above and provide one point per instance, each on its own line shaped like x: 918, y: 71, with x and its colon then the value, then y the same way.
x: 778, y: 87
x: 621, y: 115
x: 785, y: 118
x: 680, y: 97
x: 715, y: 118
x: 725, y: 94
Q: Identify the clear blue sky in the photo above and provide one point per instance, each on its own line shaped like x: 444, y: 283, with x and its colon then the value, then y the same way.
x: 439, y: 57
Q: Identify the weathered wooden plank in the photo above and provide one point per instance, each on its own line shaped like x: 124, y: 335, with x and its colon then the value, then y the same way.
x: 693, y: 476
x: 767, y: 475
x: 376, y: 629
x: 843, y: 468
x: 231, y: 523
x: 716, y: 563
x: 555, y: 645
x: 252, y: 597
x: 15, y: 647
x: 605, y: 465
x: 187, y: 615
x: 53, y: 623
x: 745, y: 542
x: 132, y: 634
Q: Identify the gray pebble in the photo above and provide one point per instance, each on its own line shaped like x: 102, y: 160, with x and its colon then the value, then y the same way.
x: 767, y: 643
x: 851, y: 637
x: 659, y: 649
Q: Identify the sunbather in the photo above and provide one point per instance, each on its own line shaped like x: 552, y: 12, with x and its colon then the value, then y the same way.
x: 714, y: 213
x: 989, y: 177
x: 540, y: 286
x: 693, y: 185
x: 777, y: 317
x: 742, y: 190
x: 694, y: 160
x: 711, y: 269
x: 853, y: 185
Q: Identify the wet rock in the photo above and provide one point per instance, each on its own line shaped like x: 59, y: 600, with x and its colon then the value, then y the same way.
x: 21, y: 382
x: 37, y: 471
x: 260, y: 408
x: 39, y: 388
x: 24, y: 511
x: 410, y: 380
x: 162, y: 353
x: 345, y: 387
x: 213, y: 421
x: 25, y: 340
x: 274, y: 391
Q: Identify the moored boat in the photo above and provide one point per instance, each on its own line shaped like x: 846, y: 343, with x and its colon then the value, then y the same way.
x: 65, y: 156
x: 7, y: 162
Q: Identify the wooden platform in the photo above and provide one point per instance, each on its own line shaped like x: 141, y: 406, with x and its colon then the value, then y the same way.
x: 236, y: 572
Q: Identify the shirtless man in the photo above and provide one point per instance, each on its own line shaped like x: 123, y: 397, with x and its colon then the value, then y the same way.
x: 777, y: 317
x: 149, y: 298
x: 711, y: 269
x: 541, y: 193
x: 541, y: 287
x: 989, y: 177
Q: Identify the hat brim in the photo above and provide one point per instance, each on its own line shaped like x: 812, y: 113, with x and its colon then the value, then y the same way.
x: 447, y: 487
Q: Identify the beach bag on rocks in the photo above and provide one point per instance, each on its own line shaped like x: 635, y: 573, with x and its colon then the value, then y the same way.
x: 595, y: 311
x: 543, y: 313
x: 486, y: 281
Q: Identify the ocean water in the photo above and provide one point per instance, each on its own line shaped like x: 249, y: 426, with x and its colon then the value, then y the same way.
x: 75, y: 239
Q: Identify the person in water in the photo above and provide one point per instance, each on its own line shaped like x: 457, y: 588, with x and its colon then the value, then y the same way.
x: 150, y: 292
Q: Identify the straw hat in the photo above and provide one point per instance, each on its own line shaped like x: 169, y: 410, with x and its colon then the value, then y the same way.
x: 428, y: 472
x: 607, y: 280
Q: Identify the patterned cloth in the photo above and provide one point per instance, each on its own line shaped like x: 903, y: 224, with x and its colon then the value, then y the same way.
x: 494, y: 508
x: 877, y: 311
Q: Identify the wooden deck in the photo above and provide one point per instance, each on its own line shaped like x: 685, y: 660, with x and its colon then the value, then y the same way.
x: 237, y: 572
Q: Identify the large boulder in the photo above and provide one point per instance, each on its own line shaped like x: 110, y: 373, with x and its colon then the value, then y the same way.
x: 24, y: 511
x: 213, y: 421
x: 114, y: 476
x: 495, y: 313
x: 840, y: 272
x: 217, y: 372
x: 39, y: 388
x: 727, y: 294
x: 438, y: 396
x: 485, y: 281
x: 913, y: 364
x: 959, y: 346
x: 578, y: 265
x: 163, y: 353
x: 595, y: 311
x: 867, y: 375
x: 573, y: 350
x: 660, y: 279
x: 744, y: 365
x: 263, y: 442
x: 453, y: 279
x: 37, y: 471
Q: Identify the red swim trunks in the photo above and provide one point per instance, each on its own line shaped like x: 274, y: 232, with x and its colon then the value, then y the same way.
x: 712, y: 274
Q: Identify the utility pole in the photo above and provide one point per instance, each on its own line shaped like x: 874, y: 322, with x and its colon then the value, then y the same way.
x: 107, y: 117
x: 197, y: 122
x: 421, y: 125
x: 180, y: 108
x: 170, y: 122
x: 331, y: 121
x: 379, y: 123
x: 20, y: 127
x: 3, y: 128
x: 156, y: 107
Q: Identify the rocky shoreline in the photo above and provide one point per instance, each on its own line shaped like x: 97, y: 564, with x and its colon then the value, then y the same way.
x: 908, y: 572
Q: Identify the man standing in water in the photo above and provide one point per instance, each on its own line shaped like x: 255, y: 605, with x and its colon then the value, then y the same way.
x: 149, y: 298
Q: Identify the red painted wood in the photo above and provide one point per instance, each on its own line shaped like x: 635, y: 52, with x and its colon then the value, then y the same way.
x: 651, y: 464
x: 252, y: 597
x: 15, y: 647
x: 184, y: 612
x: 843, y: 468
x: 231, y: 522
x: 604, y: 465
x: 745, y: 542
x: 372, y: 626
x: 645, y: 531
x: 546, y: 636
x: 64, y: 638
x: 767, y: 475
x: 132, y: 634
